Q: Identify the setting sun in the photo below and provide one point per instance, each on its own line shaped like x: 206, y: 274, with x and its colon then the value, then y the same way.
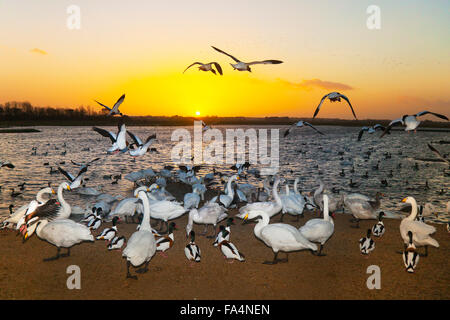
x: 197, y: 113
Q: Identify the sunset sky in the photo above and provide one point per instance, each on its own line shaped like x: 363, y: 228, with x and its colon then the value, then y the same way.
x: 141, y: 48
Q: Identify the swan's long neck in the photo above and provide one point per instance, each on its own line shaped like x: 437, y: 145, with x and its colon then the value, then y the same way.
x: 61, y: 200
x: 320, y: 190
x: 275, y: 192
x: 262, y: 222
x: 40, y: 193
x: 145, y: 224
x: 287, y: 189
x: 230, y: 191
x: 413, y: 214
x: 296, y: 186
x: 326, y: 214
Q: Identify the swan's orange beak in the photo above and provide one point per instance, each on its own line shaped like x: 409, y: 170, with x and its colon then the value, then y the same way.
x: 246, y: 217
x: 53, y: 191
x: 404, y: 200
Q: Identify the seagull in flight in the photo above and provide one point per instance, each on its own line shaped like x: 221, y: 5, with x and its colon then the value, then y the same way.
x: 205, y: 127
x: 119, y: 140
x: 410, y: 121
x: 334, y: 96
x: 300, y: 123
x: 115, y: 109
x: 245, y: 66
x: 82, y: 165
x: 142, y: 147
x: 370, y: 130
x: 75, y: 182
x: 6, y: 164
x: 438, y: 153
x: 207, y: 67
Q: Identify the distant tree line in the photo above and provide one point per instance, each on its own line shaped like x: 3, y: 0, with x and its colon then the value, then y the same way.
x: 24, y: 114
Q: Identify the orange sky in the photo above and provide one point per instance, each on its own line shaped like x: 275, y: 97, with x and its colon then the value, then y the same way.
x: 142, y: 50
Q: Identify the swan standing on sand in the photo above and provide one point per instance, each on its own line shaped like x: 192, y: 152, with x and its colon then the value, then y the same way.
x: 227, y: 199
x: 362, y: 209
x: 141, y: 246
x: 191, y: 200
x: 51, y: 210
x: 421, y: 231
x: 15, y: 217
x: 278, y: 236
x: 62, y: 233
x: 210, y: 214
x: 291, y: 204
x: 269, y: 207
x: 319, y: 230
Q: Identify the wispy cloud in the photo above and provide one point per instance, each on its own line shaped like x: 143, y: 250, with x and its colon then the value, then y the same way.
x: 317, y: 83
x: 38, y: 51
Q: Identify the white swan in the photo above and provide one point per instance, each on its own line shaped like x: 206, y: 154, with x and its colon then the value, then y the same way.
x: 166, y: 210
x: 62, y: 233
x: 191, y: 200
x: 141, y: 246
x: 211, y: 213
x: 362, y: 209
x: 421, y: 231
x: 50, y: 210
x: 227, y: 199
x: 18, y: 214
x: 291, y: 204
x: 278, y: 236
x: 319, y: 230
x: 269, y: 207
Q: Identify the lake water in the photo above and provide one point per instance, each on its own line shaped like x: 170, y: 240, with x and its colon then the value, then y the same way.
x: 303, y: 153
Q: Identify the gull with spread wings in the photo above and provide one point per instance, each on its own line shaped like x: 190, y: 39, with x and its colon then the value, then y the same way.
x: 410, y: 121
x: 142, y: 147
x: 119, y: 140
x: 300, y: 123
x: 75, y: 182
x: 245, y: 66
x: 115, y: 109
x: 370, y: 130
x: 207, y: 67
x: 334, y: 96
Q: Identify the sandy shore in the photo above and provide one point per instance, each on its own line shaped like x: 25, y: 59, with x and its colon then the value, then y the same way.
x: 341, y: 274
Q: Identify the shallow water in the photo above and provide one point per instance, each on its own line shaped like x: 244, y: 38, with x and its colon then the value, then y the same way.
x: 300, y: 154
